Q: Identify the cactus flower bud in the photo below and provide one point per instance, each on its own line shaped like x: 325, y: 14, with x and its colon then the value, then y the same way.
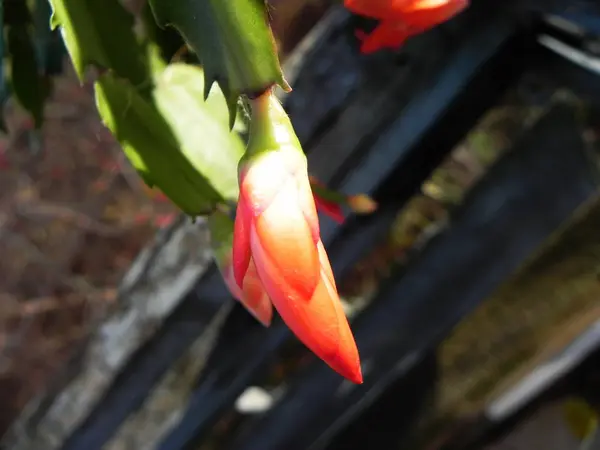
x: 276, y: 227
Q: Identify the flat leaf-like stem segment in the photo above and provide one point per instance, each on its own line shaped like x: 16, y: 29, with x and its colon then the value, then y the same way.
x: 175, y: 136
x: 100, y: 32
x: 233, y: 41
x: 180, y: 143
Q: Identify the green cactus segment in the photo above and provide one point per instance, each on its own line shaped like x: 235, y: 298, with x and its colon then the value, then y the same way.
x: 100, y: 32
x: 221, y: 237
x: 49, y: 46
x: 30, y: 87
x: 179, y: 143
x: 233, y: 41
x: 168, y: 40
x: 201, y: 126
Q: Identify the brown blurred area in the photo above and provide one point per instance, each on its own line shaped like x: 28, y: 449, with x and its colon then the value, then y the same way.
x: 73, y: 215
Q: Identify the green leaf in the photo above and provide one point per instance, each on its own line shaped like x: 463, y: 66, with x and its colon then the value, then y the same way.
x: 201, y: 126
x: 180, y: 143
x: 48, y: 43
x: 221, y: 227
x: 232, y: 39
x: 100, y: 32
x: 168, y: 40
x: 30, y: 88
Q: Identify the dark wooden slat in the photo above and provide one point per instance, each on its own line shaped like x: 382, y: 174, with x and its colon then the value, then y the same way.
x: 508, y: 215
x: 131, y: 386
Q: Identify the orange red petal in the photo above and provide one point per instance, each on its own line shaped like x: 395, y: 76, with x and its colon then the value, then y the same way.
x: 283, y: 234
x: 254, y: 297
x: 386, y: 35
x: 241, y: 242
x: 401, y: 19
x: 319, y: 322
x: 306, y: 202
x: 332, y: 209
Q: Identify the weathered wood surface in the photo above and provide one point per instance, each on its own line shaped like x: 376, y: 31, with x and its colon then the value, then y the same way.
x: 361, y: 120
x: 522, y: 201
x: 154, y: 286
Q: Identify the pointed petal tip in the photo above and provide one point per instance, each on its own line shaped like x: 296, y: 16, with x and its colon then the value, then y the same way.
x: 349, y: 368
x: 352, y: 372
x: 346, y: 361
x: 264, y: 315
x: 356, y: 376
x: 264, y: 320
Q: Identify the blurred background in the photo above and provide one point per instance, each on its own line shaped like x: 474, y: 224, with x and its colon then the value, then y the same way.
x: 76, y: 222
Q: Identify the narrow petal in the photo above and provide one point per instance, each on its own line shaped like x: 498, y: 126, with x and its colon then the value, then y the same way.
x: 234, y: 289
x: 241, y: 242
x: 332, y: 209
x: 385, y: 35
x: 325, y: 265
x: 319, y: 323
x: 255, y: 298
x: 307, y: 203
x: 283, y: 234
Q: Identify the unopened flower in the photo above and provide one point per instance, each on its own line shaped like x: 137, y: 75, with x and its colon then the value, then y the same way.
x: 277, y: 228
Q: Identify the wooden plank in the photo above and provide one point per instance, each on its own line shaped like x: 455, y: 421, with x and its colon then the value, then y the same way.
x: 523, y: 199
x: 151, y: 290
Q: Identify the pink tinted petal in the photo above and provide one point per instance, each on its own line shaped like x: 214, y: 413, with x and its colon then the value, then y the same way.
x: 320, y: 322
x: 241, y: 242
x: 325, y: 265
x: 283, y: 234
x: 255, y: 298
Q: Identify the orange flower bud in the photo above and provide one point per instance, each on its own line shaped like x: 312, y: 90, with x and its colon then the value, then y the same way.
x: 277, y: 228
